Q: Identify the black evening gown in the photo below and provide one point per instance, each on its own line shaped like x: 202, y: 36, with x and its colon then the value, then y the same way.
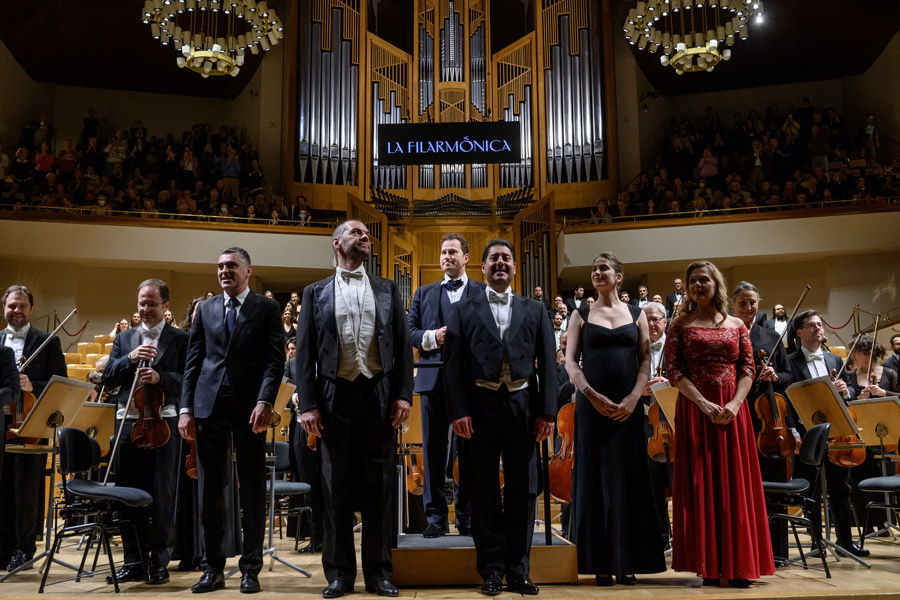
x: 615, y: 521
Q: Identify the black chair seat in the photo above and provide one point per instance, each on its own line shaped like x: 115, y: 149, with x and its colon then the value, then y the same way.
x: 289, y: 488
x: 880, y: 484
x: 94, y: 490
x: 794, y: 486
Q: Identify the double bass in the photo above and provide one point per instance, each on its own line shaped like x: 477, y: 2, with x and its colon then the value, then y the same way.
x: 774, y: 440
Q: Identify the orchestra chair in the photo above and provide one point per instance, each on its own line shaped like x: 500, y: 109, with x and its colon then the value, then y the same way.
x: 889, y: 485
x: 79, y: 372
x: 798, y: 492
x: 90, y: 507
x: 74, y: 358
x: 107, y: 347
x: 101, y: 339
x: 85, y: 348
x: 91, y: 359
x: 285, y: 490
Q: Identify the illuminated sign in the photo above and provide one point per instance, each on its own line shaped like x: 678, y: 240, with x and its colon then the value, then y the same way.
x: 449, y: 143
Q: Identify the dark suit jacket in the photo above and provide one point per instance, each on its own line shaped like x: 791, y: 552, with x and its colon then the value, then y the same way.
x: 45, y: 365
x: 9, y: 377
x: 800, y: 372
x: 570, y: 303
x: 892, y: 362
x: 790, y: 336
x: 171, y: 353
x: 473, y: 350
x: 253, y: 357
x: 425, y: 314
x: 670, y: 303
x: 318, y: 346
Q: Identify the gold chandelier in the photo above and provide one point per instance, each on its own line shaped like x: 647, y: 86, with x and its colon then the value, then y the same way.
x: 694, y: 35
x: 213, y: 35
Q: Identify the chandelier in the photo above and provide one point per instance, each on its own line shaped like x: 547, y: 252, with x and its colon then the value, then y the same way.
x: 213, y: 35
x: 694, y: 35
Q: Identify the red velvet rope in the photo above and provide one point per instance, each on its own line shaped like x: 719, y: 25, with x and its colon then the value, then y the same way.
x: 841, y: 327
x: 56, y: 323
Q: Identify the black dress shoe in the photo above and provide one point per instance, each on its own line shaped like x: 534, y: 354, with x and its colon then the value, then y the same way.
x: 127, y: 573
x: 492, y: 584
x: 739, y: 583
x: 522, y: 585
x: 249, y: 583
x: 159, y: 576
x: 18, y: 559
x: 711, y: 581
x: 605, y: 580
x: 626, y: 579
x: 383, y: 587
x: 211, y: 580
x: 848, y: 546
x: 336, y: 589
x: 434, y: 530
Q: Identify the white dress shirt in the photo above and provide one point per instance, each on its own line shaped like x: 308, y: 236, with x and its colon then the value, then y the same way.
x: 17, y: 343
x: 150, y: 335
x: 816, y: 366
x: 354, y: 313
x: 656, y: 354
x: 241, y: 298
x: 502, y: 314
x: 780, y: 326
x: 428, y: 340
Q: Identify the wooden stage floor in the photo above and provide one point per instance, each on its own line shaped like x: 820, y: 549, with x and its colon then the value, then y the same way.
x: 849, y: 580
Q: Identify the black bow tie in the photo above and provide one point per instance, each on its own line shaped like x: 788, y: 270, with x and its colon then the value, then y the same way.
x: 453, y: 284
x: 348, y: 275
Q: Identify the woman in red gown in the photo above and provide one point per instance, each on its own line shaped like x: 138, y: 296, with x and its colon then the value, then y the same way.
x: 720, y: 529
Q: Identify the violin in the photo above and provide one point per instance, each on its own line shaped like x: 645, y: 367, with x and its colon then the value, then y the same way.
x: 415, y: 481
x: 562, y: 462
x: 847, y: 457
x: 190, y: 461
x: 774, y: 441
x: 661, y: 445
x: 150, y: 430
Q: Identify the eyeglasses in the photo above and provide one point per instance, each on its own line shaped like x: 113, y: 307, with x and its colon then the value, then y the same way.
x: 813, y: 326
x: 655, y: 320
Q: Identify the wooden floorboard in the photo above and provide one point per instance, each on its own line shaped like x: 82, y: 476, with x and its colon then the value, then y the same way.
x: 849, y: 580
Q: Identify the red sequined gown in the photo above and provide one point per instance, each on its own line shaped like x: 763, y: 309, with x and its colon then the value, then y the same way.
x: 719, y: 526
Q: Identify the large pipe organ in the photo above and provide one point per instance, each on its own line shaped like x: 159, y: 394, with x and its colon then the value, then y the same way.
x: 552, y: 82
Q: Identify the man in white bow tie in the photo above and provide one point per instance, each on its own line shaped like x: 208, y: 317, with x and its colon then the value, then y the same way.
x: 501, y: 404
x: 809, y: 362
x: 21, y: 479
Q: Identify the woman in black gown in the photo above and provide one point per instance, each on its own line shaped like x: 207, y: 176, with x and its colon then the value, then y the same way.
x: 615, y: 524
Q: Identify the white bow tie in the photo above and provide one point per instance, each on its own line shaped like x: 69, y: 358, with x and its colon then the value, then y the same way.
x: 657, y: 345
x: 18, y: 335
x: 496, y: 298
x: 817, y: 355
x: 150, y: 333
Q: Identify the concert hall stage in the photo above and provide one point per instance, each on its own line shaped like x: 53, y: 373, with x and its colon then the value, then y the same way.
x: 849, y: 580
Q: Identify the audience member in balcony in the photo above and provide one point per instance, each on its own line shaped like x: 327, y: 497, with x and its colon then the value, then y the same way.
x: 93, y: 180
x: 803, y: 200
x: 101, y: 207
x: 231, y: 173
x: 4, y: 164
x: 870, y: 139
x: 138, y: 142
x: 701, y: 209
x: 601, y: 214
x: 138, y: 181
x: 46, y: 186
x: 149, y: 210
x: 789, y: 195
x: 758, y: 163
x: 44, y: 163
x: 105, y: 187
x: 21, y: 170
x: 224, y: 214
x: 819, y: 148
x: 254, y: 178
x: 186, y: 205
x: 681, y: 193
x: 92, y: 156
x: 888, y: 189
x: 13, y: 194
x: 709, y: 165
x: 117, y: 177
x: 188, y: 168
x: 252, y: 215
x: 67, y: 161
x: 91, y: 128
x: 116, y: 150
x: 274, y: 217
x: 862, y: 188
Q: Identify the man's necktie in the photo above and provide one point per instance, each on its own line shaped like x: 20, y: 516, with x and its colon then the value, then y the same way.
x: 230, y: 316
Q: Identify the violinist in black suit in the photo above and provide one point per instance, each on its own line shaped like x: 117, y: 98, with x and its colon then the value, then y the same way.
x: 809, y: 362
x: 355, y: 386
x: 154, y: 352
x: 501, y: 404
x: 745, y: 306
x: 20, y: 483
x: 234, y: 366
x: 676, y: 297
x: 428, y: 316
x: 9, y: 386
x: 660, y: 473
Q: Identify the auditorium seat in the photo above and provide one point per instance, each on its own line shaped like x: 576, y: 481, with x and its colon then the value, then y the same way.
x: 107, y: 347
x: 101, y: 339
x: 86, y: 348
x: 91, y: 359
x: 79, y: 372
x: 74, y: 358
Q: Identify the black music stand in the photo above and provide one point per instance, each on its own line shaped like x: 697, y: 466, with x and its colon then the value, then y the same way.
x: 59, y: 403
x: 879, y: 418
x: 817, y: 401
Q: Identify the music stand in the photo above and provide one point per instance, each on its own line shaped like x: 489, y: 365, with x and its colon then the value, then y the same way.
x: 98, y: 420
x: 879, y: 418
x: 59, y: 403
x: 667, y: 397
x: 817, y: 401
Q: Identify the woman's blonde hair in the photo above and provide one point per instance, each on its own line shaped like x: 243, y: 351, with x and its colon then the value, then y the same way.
x: 720, y: 300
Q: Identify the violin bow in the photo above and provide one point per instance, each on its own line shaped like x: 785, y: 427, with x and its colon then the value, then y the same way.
x: 768, y: 358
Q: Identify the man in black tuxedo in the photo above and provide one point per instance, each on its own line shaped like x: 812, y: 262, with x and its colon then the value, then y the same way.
x: 643, y: 298
x: 155, y: 352
x: 810, y: 361
x: 234, y: 365
x: 893, y: 361
x: 575, y: 301
x: 9, y: 388
x: 355, y: 385
x: 676, y: 296
x: 541, y: 297
x: 501, y: 404
x: 20, y: 482
x: 428, y: 315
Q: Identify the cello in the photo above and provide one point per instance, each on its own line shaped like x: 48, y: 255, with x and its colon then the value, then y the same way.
x: 28, y: 400
x: 774, y: 441
x: 562, y: 462
x: 661, y: 445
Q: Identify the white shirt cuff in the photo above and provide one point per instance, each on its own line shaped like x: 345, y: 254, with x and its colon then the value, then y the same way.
x: 428, y: 341
x: 186, y: 411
